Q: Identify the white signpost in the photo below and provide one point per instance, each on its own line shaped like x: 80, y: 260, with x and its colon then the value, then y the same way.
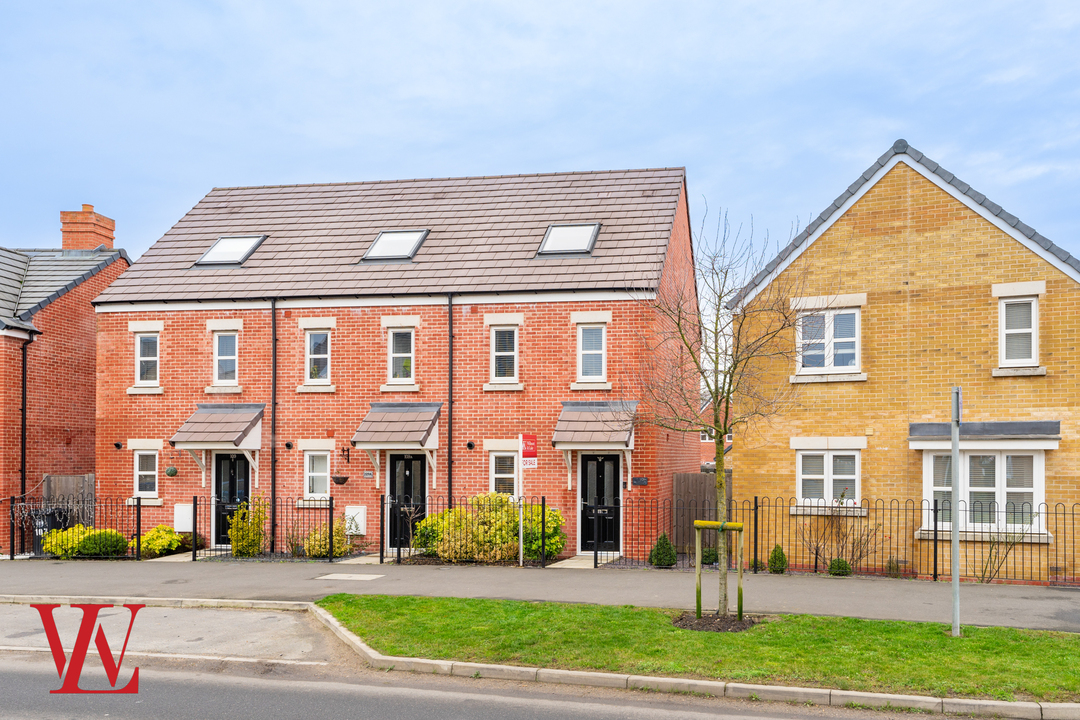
x: 527, y: 457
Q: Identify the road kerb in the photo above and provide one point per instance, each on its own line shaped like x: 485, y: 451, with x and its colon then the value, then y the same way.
x: 880, y: 700
x: 1060, y: 711
x: 347, y: 636
x: 495, y: 672
x: 579, y: 677
x: 1026, y: 710
x: 685, y: 685
x: 818, y: 696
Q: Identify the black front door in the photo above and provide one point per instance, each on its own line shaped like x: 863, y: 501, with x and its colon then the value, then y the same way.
x: 408, y: 492
x: 600, y: 502
x: 232, y: 486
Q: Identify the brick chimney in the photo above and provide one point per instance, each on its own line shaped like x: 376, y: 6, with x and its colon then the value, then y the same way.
x: 85, y: 229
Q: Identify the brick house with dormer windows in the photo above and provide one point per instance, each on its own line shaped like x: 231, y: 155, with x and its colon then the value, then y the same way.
x: 527, y: 295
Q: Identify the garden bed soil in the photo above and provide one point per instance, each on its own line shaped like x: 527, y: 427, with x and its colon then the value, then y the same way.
x: 715, y: 623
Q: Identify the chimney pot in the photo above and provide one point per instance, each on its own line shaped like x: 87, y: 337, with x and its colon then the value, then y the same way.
x: 86, y: 230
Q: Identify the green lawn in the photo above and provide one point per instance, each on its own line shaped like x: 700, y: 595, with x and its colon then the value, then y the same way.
x: 843, y: 653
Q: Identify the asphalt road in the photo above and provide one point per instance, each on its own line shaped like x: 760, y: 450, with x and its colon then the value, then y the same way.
x: 183, y: 689
x: 1050, y: 608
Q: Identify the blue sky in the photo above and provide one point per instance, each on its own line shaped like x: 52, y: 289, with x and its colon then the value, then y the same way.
x: 774, y: 108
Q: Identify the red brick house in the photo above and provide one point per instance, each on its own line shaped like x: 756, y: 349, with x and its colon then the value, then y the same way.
x: 421, y: 326
x: 47, y: 345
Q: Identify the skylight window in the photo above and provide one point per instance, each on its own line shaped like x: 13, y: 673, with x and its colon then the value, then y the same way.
x: 231, y: 250
x: 565, y: 239
x: 396, y: 244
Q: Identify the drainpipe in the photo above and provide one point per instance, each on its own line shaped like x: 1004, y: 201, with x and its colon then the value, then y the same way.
x: 273, y: 423
x: 450, y: 406
x: 22, y: 439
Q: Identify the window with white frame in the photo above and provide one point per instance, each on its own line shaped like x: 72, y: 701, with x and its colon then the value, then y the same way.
x: 316, y: 474
x: 829, y: 477
x: 504, y: 354
x: 504, y: 473
x: 707, y: 436
x: 401, y: 357
x: 1018, y: 338
x: 146, y: 360
x: 225, y: 357
x: 828, y: 341
x: 997, y: 489
x: 146, y: 474
x: 592, y: 353
x: 317, y: 360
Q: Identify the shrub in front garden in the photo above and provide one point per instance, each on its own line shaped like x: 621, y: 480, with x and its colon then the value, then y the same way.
x: 64, y: 544
x: 552, y: 528
x: 663, y: 552
x: 247, y: 529
x: 103, y: 543
x: 486, y: 530
x: 160, y: 541
x: 317, y: 543
x: 839, y: 566
x: 709, y: 556
x: 778, y: 562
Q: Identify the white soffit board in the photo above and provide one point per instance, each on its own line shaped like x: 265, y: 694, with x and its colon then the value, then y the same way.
x: 939, y: 182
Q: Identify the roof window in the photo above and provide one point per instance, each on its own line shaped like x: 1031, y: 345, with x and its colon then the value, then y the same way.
x: 569, y: 239
x: 396, y: 244
x: 231, y: 250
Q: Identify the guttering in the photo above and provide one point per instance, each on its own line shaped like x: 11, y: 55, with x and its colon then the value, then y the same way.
x: 273, y: 423
x: 450, y: 404
x: 22, y: 437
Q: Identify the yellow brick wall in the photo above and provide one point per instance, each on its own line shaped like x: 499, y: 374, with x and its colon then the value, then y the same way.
x: 926, y: 263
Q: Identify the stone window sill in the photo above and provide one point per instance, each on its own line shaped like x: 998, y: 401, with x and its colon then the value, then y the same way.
x: 223, y: 389
x: 146, y: 502
x: 590, y: 386
x: 315, y: 389
x: 504, y: 386
x: 945, y: 534
x: 853, y: 511
x: 321, y: 503
x: 1018, y: 372
x: 137, y: 390
x: 391, y: 387
x: 844, y: 377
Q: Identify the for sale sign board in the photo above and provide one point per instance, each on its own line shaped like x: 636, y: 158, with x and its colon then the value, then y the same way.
x: 527, y: 451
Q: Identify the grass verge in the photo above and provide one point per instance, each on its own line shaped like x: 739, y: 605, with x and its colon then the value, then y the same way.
x: 803, y: 650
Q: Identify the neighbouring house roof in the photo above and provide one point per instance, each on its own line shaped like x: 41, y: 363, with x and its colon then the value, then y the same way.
x: 971, y: 197
x: 398, y: 424
x: 225, y: 423
x: 595, y: 422
x: 31, y: 279
x: 485, y: 233
x: 1007, y: 430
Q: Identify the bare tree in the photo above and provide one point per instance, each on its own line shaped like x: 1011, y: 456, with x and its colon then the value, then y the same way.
x: 713, y: 351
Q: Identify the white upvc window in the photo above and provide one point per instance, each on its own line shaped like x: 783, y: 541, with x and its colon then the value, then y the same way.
x: 316, y: 475
x: 997, y: 489
x: 146, y: 475
x: 828, y: 477
x: 504, y: 354
x: 707, y: 436
x: 504, y: 473
x: 592, y: 353
x: 401, y: 356
x: 147, y: 365
x: 828, y: 341
x: 317, y: 357
x: 1018, y: 336
x: 226, y: 357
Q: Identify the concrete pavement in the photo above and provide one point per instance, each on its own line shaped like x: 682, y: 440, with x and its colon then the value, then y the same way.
x: 1051, y: 608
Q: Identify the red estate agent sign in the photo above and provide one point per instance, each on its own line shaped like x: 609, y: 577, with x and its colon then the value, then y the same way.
x: 527, y: 445
x: 82, y: 645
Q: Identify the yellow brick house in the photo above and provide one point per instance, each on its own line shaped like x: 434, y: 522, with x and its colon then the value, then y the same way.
x: 912, y: 282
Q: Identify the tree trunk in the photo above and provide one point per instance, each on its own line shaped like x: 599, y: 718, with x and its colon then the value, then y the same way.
x: 722, y: 516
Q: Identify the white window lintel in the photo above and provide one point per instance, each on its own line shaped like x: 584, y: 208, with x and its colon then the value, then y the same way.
x: 827, y: 302
x: 146, y: 326
x: 828, y: 443
x: 400, y: 321
x: 317, y: 323
x: 1016, y: 289
x: 595, y: 317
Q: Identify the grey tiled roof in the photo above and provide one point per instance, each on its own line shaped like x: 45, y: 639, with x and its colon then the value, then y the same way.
x: 901, y: 147
x: 31, y: 279
x: 226, y: 423
x: 485, y: 233
x: 595, y: 422
x: 393, y: 423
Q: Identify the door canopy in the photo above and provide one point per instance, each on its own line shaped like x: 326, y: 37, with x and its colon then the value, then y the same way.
x: 595, y: 426
x: 399, y: 426
x: 221, y: 426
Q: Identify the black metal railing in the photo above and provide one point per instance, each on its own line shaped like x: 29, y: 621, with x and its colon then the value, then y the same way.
x: 74, y: 526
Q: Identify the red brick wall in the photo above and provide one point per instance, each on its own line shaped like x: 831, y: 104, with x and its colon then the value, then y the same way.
x: 61, y: 389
